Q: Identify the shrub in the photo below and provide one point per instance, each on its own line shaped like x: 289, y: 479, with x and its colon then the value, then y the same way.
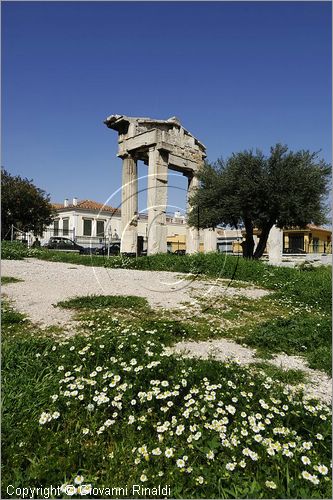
x: 13, y: 250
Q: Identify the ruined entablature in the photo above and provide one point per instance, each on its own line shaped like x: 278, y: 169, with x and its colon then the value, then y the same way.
x: 137, y: 135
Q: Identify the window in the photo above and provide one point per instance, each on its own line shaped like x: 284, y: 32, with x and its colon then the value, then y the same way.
x: 56, y: 227
x: 87, y: 227
x: 67, y: 244
x: 296, y: 242
x: 100, y: 228
x: 65, y: 226
x: 315, y: 242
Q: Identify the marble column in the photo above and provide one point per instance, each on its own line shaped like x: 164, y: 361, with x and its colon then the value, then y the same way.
x: 274, y: 246
x: 129, y: 206
x: 192, y: 233
x: 210, y: 240
x: 157, y: 201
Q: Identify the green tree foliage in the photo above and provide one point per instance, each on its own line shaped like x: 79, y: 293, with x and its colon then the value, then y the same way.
x: 24, y: 205
x: 252, y: 190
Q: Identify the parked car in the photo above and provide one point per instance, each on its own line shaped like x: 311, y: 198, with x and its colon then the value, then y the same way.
x: 179, y: 252
x: 114, y: 249
x: 65, y: 244
x: 293, y: 250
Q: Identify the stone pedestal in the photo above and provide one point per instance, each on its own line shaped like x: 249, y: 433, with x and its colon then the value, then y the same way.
x: 129, y: 206
x: 274, y: 246
x: 157, y: 201
x: 210, y: 240
x: 192, y: 233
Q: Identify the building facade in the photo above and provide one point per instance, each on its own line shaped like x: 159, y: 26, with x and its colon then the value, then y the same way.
x: 90, y: 223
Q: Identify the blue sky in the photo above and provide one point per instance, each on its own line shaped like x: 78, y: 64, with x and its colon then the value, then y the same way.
x: 238, y: 74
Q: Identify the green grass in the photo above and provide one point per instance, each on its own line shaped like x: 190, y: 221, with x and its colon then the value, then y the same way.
x: 13, y: 323
x: 10, y: 317
x: 102, y: 301
x: 290, y: 376
x: 5, y: 280
x: 305, y: 334
x: 104, y: 447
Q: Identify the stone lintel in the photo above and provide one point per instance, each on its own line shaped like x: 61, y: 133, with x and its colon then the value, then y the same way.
x: 146, y: 140
x: 182, y: 163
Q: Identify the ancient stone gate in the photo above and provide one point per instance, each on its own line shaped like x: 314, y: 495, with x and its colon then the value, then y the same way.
x: 162, y: 145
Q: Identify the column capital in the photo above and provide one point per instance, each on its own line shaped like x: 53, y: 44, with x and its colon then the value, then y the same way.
x: 127, y: 155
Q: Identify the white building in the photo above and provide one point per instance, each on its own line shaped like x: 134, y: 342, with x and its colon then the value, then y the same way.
x: 90, y: 223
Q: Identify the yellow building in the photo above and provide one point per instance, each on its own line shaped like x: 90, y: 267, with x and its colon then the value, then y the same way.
x: 312, y: 239
x: 178, y: 242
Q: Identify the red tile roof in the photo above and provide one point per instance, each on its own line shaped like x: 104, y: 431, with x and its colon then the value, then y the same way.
x: 87, y: 205
x: 314, y: 227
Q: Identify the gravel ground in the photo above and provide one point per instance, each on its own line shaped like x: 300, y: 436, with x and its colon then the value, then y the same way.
x: 46, y: 283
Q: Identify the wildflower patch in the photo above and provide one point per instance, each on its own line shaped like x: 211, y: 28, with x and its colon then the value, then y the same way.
x: 114, y: 408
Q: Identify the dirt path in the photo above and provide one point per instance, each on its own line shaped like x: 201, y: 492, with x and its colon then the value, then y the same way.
x: 46, y: 283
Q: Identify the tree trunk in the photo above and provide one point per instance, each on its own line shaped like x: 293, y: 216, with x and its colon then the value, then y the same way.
x: 248, y: 244
x: 262, y: 241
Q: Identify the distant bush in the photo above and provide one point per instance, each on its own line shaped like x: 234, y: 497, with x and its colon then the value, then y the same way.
x: 13, y: 250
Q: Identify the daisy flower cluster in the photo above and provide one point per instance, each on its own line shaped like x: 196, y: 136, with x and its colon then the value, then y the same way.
x: 193, y: 423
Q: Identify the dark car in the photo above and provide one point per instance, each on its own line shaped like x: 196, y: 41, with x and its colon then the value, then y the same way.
x: 179, y: 252
x: 114, y: 249
x: 293, y: 250
x: 65, y: 244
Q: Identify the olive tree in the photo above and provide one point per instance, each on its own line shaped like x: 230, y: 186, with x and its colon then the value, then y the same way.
x: 252, y: 190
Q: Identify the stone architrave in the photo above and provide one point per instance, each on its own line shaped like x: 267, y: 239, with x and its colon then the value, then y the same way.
x: 129, y: 206
x: 275, y: 246
x: 162, y: 145
x: 210, y: 240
